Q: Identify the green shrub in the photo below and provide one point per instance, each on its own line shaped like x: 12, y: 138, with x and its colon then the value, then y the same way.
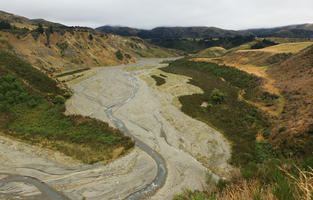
x: 282, y: 129
x: 11, y: 90
x: 67, y: 95
x: 59, y: 99
x: 249, y: 171
x: 217, y: 97
x: 10, y: 63
x: 119, y: 55
x: 62, y: 45
x: 308, y: 163
x: 40, y: 29
x: 32, y: 103
x: 35, y: 34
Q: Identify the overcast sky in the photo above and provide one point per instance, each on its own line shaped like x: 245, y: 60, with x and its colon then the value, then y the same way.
x: 229, y: 14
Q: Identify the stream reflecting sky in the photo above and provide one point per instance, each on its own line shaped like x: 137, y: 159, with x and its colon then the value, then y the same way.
x: 229, y: 14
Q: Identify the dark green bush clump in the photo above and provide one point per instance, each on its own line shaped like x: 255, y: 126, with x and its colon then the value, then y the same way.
x: 262, y: 44
x: 217, y: 97
x: 159, y: 80
x: 4, y: 25
x: 282, y: 129
x: 59, y: 100
x: 119, y: 55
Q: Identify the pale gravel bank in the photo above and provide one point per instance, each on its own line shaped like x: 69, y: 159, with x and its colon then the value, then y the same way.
x: 153, y: 115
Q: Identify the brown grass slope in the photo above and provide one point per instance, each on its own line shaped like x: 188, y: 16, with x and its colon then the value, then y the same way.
x: 294, y: 78
x: 67, y: 48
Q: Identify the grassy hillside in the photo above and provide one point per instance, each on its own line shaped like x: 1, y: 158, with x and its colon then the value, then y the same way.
x: 212, y: 52
x: 55, y: 48
x: 266, y: 172
x: 265, y: 56
x: 31, y: 110
x: 294, y: 78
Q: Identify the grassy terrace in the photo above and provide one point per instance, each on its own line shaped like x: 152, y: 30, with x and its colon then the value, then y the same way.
x: 239, y: 121
x: 31, y: 109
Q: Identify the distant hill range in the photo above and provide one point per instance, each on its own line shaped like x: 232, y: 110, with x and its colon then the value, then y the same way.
x: 173, y: 32
x: 187, y: 39
x: 292, y: 31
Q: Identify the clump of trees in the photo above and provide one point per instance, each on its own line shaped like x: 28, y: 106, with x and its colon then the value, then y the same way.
x: 40, y: 29
x: 262, y: 44
x: 5, y: 25
x: 90, y: 37
x: 217, y: 97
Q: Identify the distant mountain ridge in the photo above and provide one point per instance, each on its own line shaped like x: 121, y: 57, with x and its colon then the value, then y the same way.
x: 292, y: 31
x: 173, y: 32
x: 187, y: 39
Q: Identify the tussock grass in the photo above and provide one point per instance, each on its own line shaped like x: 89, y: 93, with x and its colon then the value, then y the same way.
x: 297, y: 185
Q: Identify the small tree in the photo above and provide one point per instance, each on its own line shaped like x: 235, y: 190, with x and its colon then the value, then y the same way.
x: 40, y: 29
x: 50, y: 29
x: 217, y: 97
x: 90, y: 37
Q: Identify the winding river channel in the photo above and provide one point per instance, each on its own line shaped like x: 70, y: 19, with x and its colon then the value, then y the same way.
x: 157, y: 169
x: 47, y: 191
x: 162, y: 171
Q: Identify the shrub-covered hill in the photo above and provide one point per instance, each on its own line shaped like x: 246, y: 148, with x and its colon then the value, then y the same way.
x: 31, y: 110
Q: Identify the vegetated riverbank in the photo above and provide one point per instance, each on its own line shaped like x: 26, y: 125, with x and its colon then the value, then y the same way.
x: 148, y: 116
x: 31, y: 109
x: 221, y: 106
x: 265, y: 172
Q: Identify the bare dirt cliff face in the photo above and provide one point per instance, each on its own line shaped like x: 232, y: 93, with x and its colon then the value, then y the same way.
x: 294, y: 78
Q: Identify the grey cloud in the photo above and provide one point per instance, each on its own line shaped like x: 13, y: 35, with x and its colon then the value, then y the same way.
x: 230, y: 14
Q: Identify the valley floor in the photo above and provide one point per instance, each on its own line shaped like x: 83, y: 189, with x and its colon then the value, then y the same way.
x: 153, y: 115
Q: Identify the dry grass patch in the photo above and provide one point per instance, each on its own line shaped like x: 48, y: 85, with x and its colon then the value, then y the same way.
x: 284, y: 48
x: 137, y: 68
